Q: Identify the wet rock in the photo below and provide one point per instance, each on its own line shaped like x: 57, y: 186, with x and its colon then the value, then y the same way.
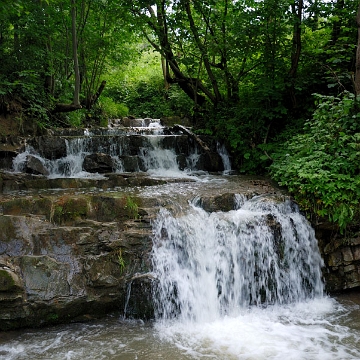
x: 6, y: 159
x: 341, y: 257
x: 45, y: 278
x: 139, y: 297
x: 49, y: 147
x: 98, y: 163
x: 172, y: 120
x: 211, y: 162
x: 35, y: 166
x: 9, y: 281
x: 130, y: 163
x: 223, y: 202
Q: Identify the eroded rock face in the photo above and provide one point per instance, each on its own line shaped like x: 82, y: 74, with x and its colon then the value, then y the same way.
x: 71, y: 258
x: 50, y: 147
x: 78, y: 254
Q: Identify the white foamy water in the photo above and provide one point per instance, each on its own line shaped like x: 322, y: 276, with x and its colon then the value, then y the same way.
x: 301, y: 331
x: 221, y: 149
x: 246, y: 285
x: 154, y: 154
x: 211, y: 265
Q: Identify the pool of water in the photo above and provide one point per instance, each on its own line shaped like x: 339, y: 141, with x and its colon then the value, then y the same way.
x: 325, y: 328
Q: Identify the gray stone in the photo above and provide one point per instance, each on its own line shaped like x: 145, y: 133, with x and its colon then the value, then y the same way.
x: 52, y: 147
x: 98, y: 163
x: 347, y: 255
x: 35, y: 166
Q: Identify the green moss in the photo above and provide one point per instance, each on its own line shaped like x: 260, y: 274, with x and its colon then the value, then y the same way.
x: 23, y: 206
x: 7, y: 282
x: 52, y: 318
x: 132, y: 208
x: 69, y: 209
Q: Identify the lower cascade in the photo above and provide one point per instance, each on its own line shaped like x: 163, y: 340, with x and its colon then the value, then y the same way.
x: 211, y: 265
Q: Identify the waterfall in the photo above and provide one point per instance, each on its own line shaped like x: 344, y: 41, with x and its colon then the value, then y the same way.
x: 157, y: 160
x: 211, y: 265
x: 221, y: 149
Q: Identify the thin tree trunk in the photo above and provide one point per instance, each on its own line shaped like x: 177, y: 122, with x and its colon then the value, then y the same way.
x: 98, y: 93
x: 76, y: 100
x: 165, y: 70
x: 357, y: 65
x: 190, y: 86
x: 205, y: 55
x: 296, y: 49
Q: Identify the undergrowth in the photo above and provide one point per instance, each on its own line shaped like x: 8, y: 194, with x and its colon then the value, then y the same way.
x: 321, y: 166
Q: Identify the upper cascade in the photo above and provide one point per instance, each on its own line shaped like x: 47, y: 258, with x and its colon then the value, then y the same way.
x: 147, y: 147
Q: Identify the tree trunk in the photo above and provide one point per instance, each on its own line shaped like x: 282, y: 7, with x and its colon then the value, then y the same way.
x: 98, y: 93
x: 76, y: 100
x: 205, y: 56
x: 165, y: 70
x: 296, y: 48
x: 189, y: 85
x: 357, y: 65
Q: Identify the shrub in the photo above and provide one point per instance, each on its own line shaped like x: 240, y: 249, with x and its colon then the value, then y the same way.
x: 321, y: 166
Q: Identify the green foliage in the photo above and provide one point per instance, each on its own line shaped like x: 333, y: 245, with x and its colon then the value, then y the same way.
x: 120, y: 260
x: 111, y: 109
x: 76, y: 118
x: 140, y: 87
x: 132, y: 208
x: 245, y: 126
x: 321, y: 166
x: 24, y: 86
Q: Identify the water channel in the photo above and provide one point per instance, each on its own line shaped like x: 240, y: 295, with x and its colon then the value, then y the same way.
x: 228, y: 288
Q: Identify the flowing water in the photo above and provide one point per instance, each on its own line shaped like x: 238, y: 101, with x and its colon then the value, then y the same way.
x: 148, y: 148
x: 242, y: 284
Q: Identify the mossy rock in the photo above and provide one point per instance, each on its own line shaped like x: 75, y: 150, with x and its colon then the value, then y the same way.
x: 68, y: 209
x: 9, y: 282
x: 24, y: 206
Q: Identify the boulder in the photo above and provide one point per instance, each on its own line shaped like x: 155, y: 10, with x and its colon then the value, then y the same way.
x: 130, y: 163
x: 50, y: 147
x: 210, y: 161
x: 98, y: 163
x: 34, y: 165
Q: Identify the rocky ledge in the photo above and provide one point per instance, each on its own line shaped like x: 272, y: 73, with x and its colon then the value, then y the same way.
x: 76, y: 254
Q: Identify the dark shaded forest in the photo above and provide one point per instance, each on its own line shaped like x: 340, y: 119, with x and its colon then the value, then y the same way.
x: 276, y: 81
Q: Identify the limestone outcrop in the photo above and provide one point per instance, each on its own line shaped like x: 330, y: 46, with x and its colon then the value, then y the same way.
x: 70, y: 257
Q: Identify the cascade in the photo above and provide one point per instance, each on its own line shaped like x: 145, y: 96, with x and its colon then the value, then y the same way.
x: 221, y: 149
x: 147, y: 148
x: 210, y: 265
x: 231, y: 275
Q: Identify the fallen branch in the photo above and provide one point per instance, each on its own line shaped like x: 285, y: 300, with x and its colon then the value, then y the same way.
x: 192, y: 135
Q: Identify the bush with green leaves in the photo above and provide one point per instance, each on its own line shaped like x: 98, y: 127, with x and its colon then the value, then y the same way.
x: 112, y: 109
x: 321, y: 166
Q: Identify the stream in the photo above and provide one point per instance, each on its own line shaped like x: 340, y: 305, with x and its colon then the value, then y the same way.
x: 240, y: 284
